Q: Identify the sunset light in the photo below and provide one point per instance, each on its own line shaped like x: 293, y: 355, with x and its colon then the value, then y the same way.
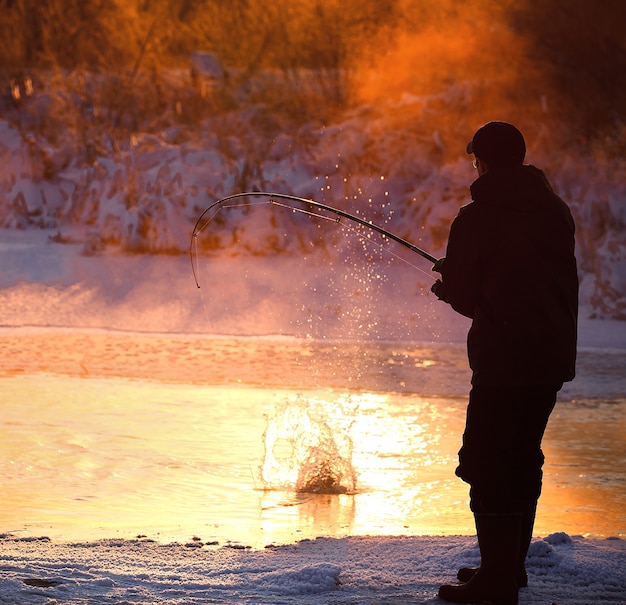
x: 289, y: 289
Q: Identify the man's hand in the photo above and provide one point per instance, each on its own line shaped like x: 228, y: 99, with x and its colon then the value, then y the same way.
x: 437, y: 289
x: 438, y: 265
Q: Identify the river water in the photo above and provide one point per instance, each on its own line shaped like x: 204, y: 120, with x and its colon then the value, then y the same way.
x: 266, y: 440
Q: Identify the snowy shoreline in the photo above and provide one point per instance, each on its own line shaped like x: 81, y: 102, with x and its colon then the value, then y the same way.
x: 325, y: 571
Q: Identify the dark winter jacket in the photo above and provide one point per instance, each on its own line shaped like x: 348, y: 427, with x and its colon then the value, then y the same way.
x: 510, y: 266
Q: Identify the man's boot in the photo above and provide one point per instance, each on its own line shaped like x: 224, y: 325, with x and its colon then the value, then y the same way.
x: 465, y: 574
x: 495, y: 581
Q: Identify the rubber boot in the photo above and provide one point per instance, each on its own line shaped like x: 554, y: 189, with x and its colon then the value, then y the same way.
x: 465, y: 574
x: 495, y: 582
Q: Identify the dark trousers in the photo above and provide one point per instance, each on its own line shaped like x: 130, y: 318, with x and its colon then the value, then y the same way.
x: 501, y: 457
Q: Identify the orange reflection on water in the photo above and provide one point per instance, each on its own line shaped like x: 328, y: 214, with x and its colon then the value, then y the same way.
x: 105, y: 456
x: 585, y: 449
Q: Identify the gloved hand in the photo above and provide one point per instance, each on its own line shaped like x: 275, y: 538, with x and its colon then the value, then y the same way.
x: 438, y: 264
x: 437, y: 289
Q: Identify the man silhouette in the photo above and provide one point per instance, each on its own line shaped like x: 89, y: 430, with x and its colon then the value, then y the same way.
x: 510, y: 267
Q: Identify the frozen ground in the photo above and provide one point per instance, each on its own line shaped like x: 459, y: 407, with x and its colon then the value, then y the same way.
x: 349, y: 571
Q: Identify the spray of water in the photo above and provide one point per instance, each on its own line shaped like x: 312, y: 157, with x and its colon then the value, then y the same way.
x: 307, y: 451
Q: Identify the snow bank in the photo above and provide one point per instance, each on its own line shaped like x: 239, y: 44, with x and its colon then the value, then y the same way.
x: 382, y: 162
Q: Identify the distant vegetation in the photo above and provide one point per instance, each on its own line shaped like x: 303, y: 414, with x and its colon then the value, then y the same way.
x: 113, y: 61
x: 121, y: 120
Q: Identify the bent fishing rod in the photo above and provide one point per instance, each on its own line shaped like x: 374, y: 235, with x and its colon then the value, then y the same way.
x: 284, y: 202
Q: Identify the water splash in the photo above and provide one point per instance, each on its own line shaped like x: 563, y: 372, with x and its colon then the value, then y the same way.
x: 307, y: 451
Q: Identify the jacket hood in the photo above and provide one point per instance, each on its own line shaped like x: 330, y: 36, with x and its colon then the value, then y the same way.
x: 518, y: 187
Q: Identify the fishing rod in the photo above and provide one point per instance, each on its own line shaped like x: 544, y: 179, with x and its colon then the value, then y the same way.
x: 310, y: 203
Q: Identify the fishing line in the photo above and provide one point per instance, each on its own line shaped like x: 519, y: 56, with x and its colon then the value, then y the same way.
x: 226, y: 202
x: 319, y: 206
x: 196, y: 273
x: 385, y: 249
x: 308, y: 212
x: 356, y: 232
x: 197, y: 230
x: 201, y: 225
x: 312, y: 209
